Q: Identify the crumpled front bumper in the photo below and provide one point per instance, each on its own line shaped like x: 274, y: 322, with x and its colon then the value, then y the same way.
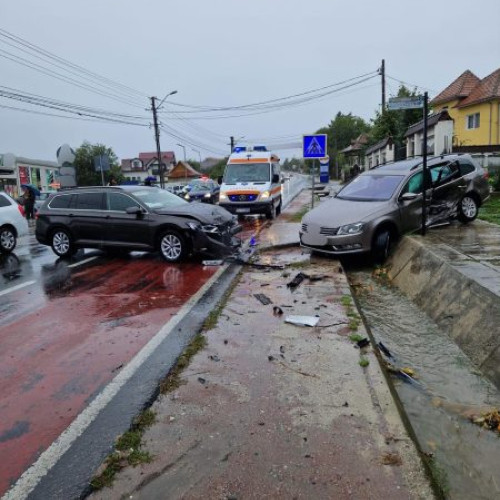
x: 218, y: 244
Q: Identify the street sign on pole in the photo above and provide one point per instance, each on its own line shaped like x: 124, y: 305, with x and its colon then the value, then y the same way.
x: 416, y: 102
x: 314, y: 146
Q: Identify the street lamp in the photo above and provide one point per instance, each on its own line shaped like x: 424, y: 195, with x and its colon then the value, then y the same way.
x: 155, y: 108
x: 199, y: 154
x: 185, y: 166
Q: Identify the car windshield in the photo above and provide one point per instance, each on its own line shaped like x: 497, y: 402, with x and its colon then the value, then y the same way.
x: 371, y: 188
x: 248, y: 172
x: 200, y: 187
x: 158, y: 198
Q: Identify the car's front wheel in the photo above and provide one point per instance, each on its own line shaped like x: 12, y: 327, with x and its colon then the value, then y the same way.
x: 468, y: 209
x: 173, y: 247
x: 381, y: 246
x: 8, y: 239
x: 271, y: 213
x: 62, y: 243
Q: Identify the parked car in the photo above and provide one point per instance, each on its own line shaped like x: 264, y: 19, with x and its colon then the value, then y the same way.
x: 40, y: 200
x: 12, y: 223
x: 206, y: 191
x: 375, y: 208
x: 134, y: 218
x: 177, y: 189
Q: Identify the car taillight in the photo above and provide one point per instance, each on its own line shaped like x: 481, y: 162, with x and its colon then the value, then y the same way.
x: 486, y: 174
x: 21, y: 209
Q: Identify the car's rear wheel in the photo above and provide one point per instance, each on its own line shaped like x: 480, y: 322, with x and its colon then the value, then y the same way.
x: 468, y: 209
x: 278, y: 209
x: 381, y: 245
x: 62, y: 243
x: 173, y: 246
x: 8, y: 240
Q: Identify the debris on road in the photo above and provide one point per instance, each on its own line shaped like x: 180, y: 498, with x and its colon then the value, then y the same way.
x: 302, y: 320
x: 489, y: 420
x: 299, y: 278
x: 263, y: 299
x: 216, y: 262
x: 363, y: 343
x: 277, y: 311
x: 384, y: 350
x: 214, y: 357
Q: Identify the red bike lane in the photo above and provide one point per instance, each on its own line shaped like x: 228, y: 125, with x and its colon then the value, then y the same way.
x: 71, y: 340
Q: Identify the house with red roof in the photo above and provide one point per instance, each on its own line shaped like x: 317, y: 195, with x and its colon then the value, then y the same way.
x: 474, y: 106
x: 146, y: 165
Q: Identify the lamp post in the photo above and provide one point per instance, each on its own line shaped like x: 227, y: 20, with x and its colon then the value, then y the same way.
x: 199, y: 154
x: 185, y: 167
x: 155, y: 108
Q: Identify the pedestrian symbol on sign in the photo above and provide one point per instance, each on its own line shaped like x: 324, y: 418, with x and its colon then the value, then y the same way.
x: 314, y: 146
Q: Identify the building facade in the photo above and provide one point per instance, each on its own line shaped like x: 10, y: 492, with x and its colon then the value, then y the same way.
x: 136, y: 170
x: 380, y: 153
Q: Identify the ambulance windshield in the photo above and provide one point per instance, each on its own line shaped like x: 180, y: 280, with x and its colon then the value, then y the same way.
x: 247, y: 172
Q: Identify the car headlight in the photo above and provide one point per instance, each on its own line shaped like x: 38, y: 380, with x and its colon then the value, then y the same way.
x: 187, y: 197
x: 223, y: 197
x: 207, y: 195
x: 265, y: 195
x: 351, y: 228
x: 210, y: 228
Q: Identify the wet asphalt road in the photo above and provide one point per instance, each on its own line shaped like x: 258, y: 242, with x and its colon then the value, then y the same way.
x: 67, y: 328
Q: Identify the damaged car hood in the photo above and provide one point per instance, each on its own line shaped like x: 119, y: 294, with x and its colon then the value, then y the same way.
x: 209, y: 214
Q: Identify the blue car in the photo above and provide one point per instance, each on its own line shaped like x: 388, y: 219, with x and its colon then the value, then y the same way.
x: 204, y: 190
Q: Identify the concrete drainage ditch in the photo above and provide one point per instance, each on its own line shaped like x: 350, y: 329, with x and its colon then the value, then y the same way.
x: 445, y: 327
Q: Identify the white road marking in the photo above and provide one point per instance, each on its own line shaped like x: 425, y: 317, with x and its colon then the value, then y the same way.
x: 17, y: 287
x: 90, y: 259
x: 31, y: 477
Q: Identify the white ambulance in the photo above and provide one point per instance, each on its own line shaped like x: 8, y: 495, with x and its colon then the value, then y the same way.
x: 251, y: 183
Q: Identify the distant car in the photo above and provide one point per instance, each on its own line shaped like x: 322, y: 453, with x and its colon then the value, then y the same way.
x: 12, y: 223
x: 378, y: 206
x: 206, y: 191
x: 40, y: 200
x: 134, y: 218
x: 177, y: 189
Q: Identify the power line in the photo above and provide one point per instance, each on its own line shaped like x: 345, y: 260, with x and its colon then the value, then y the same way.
x: 412, y: 84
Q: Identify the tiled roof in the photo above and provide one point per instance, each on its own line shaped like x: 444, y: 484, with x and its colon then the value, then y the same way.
x: 431, y: 121
x: 458, y: 89
x: 379, y: 145
x: 169, y: 156
x: 488, y: 88
x: 183, y: 170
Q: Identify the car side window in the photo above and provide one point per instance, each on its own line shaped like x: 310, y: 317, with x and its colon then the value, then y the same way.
x: 4, y: 202
x: 120, y: 202
x: 440, y: 174
x: 465, y: 167
x: 89, y: 201
x: 414, y: 184
x: 60, y: 201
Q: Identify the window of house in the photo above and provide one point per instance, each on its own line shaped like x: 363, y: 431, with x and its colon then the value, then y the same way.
x: 472, y: 121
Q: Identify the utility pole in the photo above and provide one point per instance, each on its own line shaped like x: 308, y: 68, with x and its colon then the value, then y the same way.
x: 157, y: 138
x: 424, y: 164
x: 382, y: 74
x: 232, y: 143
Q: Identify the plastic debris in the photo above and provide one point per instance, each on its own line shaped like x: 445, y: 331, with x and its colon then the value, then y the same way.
x: 263, y: 299
x: 302, y: 320
x: 489, y: 420
x: 253, y: 241
x: 299, y: 278
x: 363, y: 343
x: 201, y: 380
x: 384, y: 350
x: 277, y: 311
x: 217, y: 262
x: 214, y: 357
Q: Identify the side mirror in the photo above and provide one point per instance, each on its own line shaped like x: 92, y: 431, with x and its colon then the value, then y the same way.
x: 134, y: 211
x: 408, y: 196
x: 219, y: 180
x: 275, y: 179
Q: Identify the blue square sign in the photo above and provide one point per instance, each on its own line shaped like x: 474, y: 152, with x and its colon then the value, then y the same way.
x: 314, y: 146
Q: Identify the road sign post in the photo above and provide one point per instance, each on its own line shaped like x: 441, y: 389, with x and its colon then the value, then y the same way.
x: 314, y: 146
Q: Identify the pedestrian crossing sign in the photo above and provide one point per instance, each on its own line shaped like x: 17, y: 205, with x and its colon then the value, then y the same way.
x: 314, y: 146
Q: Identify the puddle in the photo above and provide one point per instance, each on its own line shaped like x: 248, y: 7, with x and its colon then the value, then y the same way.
x: 450, y: 389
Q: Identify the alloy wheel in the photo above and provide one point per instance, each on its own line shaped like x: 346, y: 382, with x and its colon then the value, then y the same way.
x: 7, y: 240
x: 171, y: 247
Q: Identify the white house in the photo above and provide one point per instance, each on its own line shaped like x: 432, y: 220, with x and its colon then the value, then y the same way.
x: 380, y: 153
x: 439, y: 135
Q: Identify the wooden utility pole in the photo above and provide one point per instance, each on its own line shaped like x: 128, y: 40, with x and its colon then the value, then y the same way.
x: 157, y: 139
x: 382, y: 74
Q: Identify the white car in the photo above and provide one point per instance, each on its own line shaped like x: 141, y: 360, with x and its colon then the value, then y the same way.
x: 12, y: 223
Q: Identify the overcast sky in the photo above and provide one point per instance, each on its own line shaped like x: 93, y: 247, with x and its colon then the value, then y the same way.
x: 229, y: 53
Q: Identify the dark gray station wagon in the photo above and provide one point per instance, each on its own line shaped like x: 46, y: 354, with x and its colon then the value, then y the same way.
x: 134, y: 218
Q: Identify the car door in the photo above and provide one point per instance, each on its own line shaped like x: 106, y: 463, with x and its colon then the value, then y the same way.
x: 122, y: 228
x: 448, y: 187
x: 85, y: 217
x: 410, y: 209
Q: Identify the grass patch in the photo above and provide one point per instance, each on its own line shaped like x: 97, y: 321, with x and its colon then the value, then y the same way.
x: 490, y: 211
x: 297, y: 216
x: 346, y: 300
x: 173, y: 379
x: 353, y: 324
x: 355, y: 337
x: 127, y: 451
x: 440, y: 477
x: 363, y: 362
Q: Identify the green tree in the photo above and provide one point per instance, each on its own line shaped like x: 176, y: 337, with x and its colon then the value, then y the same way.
x: 218, y: 169
x: 395, y: 123
x: 86, y: 174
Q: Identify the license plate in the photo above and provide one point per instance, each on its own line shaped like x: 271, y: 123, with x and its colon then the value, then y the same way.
x: 242, y: 210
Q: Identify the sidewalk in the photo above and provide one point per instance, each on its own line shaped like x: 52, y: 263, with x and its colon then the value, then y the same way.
x: 273, y: 410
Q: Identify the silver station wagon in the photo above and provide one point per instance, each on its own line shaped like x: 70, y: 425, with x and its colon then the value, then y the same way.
x: 375, y: 208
